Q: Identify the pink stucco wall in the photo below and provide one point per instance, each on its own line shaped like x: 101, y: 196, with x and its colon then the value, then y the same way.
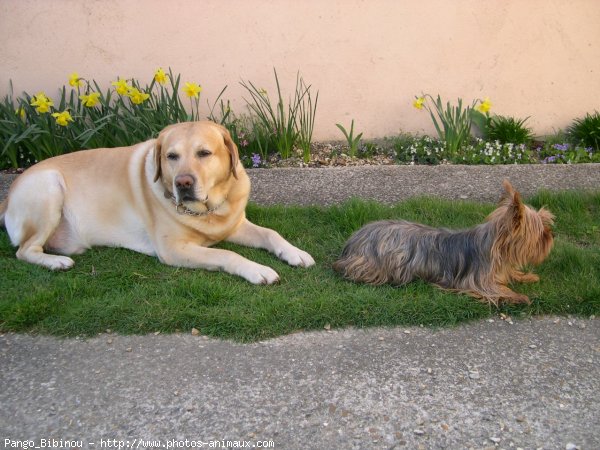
x: 537, y: 58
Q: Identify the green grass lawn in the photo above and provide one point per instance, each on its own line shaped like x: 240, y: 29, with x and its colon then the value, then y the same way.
x: 131, y: 293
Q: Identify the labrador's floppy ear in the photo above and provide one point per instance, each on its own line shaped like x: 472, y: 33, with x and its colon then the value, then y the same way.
x: 157, y: 158
x: 234, y: 155
x: 158, y: 150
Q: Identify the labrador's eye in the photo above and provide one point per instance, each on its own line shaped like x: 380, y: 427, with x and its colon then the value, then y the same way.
x: 172, y: 156
x: 203, y: 153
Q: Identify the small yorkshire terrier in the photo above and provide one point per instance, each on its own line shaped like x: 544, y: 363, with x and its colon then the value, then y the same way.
x: 479, y: 261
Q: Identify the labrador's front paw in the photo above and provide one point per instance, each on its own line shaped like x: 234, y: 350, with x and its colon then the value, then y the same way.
x: 258, y: 274
x: 296, y: 257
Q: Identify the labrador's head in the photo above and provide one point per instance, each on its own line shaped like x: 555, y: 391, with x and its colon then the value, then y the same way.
x: 192, y: 158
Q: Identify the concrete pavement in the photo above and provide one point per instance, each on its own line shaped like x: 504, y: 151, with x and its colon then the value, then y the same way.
x: 530, y: 384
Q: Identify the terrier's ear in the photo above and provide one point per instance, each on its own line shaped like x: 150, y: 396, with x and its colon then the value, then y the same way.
x: 516, y: 208
x: 512, y: 200
x: 508, y: 187
x: 546, y: 216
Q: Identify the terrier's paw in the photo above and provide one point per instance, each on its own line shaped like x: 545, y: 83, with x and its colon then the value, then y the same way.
x: 528, y: 278
x: 516, y: 299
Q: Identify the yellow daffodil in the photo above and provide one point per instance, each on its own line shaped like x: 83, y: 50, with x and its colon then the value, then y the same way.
x: 137, y: 96
x: 41, y: 102
x: 160, y: 76
x: 192, y: 90
x: 485, y: 105
x: 90, y: 100
x: 121, y: 86
x: 63, y: 118
x: 74, y: 80
x: 418, y: 103
x: 20, y: 112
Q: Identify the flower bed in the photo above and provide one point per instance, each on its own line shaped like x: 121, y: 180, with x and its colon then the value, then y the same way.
x: 273, y: 132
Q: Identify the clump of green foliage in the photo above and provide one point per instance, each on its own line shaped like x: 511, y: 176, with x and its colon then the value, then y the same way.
x: 509, y: 130
x: 585, y: 131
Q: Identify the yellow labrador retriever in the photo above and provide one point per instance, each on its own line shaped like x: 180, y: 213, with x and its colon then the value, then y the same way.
x: 170, y: 197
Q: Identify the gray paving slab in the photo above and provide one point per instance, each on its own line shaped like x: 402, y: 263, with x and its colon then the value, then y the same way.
x: 391, y: 184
